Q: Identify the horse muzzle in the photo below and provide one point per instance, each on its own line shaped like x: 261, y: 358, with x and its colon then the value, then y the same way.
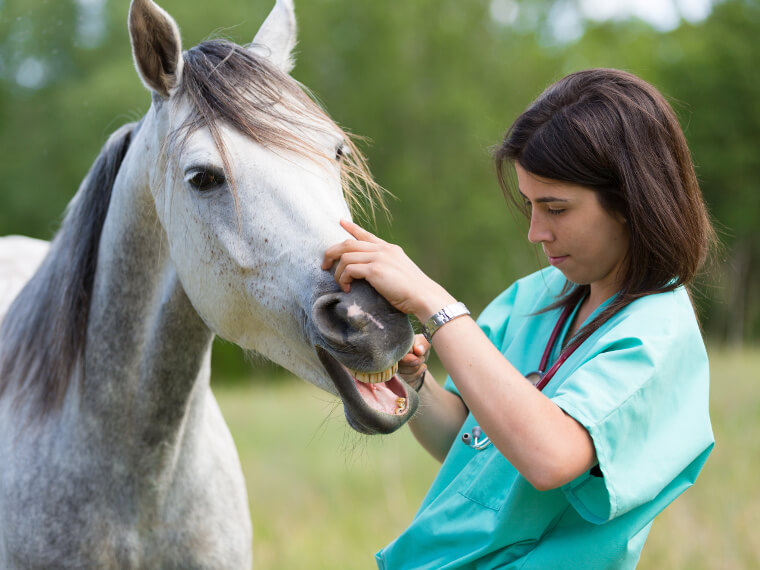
x: 360, y: 339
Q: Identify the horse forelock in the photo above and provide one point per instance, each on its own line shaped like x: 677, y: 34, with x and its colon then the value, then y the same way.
x: 230, y: 84
x: 42, y: 337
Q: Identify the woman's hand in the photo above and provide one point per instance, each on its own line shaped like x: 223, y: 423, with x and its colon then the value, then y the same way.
x: 413, y: 365
x: 388, y: 269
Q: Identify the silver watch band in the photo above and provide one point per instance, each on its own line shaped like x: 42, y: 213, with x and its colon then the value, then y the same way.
x: 448, y: 313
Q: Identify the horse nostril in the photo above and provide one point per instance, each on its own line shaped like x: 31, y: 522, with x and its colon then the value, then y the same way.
x: 340, y: 318
x: 331, y: 317
x: 362, y: 327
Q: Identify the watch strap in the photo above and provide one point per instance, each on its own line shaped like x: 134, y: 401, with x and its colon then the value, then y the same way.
x: 448, y: 313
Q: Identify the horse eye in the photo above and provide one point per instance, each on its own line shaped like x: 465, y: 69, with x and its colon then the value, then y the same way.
x: 204, y: 180
x: 340, y: 152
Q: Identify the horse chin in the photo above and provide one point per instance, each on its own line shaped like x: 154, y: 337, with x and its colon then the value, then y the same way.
x: 382, y: 407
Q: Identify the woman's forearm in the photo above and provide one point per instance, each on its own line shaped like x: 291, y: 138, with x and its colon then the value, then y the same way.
x: 439, y: 419
x: 546, y: 445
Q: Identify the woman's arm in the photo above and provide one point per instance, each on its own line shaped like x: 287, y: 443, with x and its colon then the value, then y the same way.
x: 548, y: 447
x: 441, y: 413
x: 439, y: 419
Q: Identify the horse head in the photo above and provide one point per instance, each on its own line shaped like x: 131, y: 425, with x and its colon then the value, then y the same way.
x: 249, y: 179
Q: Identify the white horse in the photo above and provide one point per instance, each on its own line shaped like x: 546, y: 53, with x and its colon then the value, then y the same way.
x: 20, y: 256
x: 209, y: 216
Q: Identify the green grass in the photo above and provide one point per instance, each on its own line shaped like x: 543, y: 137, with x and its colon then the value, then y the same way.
x: 324, y: 497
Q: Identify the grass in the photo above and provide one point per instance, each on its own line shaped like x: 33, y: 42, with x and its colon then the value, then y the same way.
x: 324, y: 497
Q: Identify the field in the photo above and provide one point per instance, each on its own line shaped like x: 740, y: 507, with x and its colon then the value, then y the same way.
x: 323, y: 497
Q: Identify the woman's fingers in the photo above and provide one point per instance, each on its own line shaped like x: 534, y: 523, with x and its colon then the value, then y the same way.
x: 383, y: 265
x: 416, y: 358
x: 353, y: 255
x: 359, y: 232
x: 410, y: 366
x: 421, y: 346
x: 353, y: 265
x: 335, y: 252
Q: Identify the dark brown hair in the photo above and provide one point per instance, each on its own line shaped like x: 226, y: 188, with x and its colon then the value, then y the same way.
x: 614, y: 133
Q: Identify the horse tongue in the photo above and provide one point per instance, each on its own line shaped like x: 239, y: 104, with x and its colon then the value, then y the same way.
x: 380, y: 397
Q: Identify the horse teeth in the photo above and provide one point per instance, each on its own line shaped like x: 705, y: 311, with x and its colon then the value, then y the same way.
x: 375, y: 377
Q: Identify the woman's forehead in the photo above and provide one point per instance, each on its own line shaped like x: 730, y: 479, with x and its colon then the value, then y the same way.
x: 540, y: 189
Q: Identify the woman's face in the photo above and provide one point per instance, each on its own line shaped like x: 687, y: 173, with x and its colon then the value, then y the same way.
x: 579, y: 237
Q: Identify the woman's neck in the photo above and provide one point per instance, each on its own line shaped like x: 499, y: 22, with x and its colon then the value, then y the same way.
x: 590, y: 303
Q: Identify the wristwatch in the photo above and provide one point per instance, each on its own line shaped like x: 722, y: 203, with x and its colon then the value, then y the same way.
x: 448, y: 313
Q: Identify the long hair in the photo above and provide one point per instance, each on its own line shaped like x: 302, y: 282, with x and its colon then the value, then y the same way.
x: 614, y: 133
x: 43, y: 334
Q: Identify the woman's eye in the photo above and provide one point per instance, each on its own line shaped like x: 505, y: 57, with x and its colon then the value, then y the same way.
x: 554, y: 211
x: 205, y: 180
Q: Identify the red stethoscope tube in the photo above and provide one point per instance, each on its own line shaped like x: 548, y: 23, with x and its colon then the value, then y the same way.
x: 541, y: 377
x: 478, y: 440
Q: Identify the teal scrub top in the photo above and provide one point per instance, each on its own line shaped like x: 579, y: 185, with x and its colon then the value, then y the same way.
x: 639, y: 385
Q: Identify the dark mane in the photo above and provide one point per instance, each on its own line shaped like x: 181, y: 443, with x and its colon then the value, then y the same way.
x: 230, y: 84
x: 42, y: 337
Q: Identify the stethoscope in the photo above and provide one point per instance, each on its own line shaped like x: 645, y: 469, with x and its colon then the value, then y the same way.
x: 539, y: 378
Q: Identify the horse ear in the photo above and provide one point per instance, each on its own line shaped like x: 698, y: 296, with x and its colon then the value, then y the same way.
x: 156, y: 46
x: 276, y: 38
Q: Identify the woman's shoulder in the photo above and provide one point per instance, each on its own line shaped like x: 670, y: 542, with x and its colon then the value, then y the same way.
x: 664, y: 312
x: 543, y: 286
x: 661, y: 323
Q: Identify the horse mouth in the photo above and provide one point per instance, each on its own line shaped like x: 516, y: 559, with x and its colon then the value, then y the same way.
x: 374, y: 403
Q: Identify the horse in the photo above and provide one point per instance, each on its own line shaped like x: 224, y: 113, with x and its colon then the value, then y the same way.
x: 208, y: 216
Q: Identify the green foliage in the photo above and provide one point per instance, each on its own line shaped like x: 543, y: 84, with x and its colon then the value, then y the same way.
x: 433, y: 85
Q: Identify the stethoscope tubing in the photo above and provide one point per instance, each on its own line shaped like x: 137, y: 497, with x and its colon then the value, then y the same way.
x: 475, y: 440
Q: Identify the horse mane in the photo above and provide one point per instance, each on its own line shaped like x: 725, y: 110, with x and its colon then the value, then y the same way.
x: 228, y: 83
x: 42, y: 337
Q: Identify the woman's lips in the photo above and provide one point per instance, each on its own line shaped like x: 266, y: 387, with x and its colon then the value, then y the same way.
x: 556, y: 260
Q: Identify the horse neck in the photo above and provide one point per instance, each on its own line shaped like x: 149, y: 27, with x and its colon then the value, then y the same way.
x: 147, y: 351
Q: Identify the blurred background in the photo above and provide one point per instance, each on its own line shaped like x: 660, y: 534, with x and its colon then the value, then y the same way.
x: 432, y: 85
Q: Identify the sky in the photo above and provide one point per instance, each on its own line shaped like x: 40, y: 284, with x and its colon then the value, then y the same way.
x: 567, y: 17
x: 664, y: 15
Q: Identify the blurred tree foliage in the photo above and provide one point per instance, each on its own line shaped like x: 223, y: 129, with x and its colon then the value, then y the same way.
x: 433, y: 84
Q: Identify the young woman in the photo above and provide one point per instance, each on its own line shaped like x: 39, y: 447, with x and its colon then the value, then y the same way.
x: 576, y: 407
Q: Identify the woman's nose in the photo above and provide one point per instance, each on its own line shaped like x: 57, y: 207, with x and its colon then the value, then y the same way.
x: 538, y: 232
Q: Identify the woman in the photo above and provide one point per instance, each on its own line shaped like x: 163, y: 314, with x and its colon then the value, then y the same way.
x: 572, y: 474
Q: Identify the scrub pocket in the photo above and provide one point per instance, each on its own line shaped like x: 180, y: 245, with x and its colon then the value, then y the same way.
x: 486, y: 478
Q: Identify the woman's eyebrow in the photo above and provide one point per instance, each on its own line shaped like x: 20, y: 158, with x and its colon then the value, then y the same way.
x: 543, y: 199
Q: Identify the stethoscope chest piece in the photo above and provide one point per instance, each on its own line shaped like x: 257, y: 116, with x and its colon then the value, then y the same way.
x: 477, y: 439
x: 535, y: 377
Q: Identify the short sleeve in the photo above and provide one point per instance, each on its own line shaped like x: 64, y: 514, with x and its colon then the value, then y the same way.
x: 644, y: 400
